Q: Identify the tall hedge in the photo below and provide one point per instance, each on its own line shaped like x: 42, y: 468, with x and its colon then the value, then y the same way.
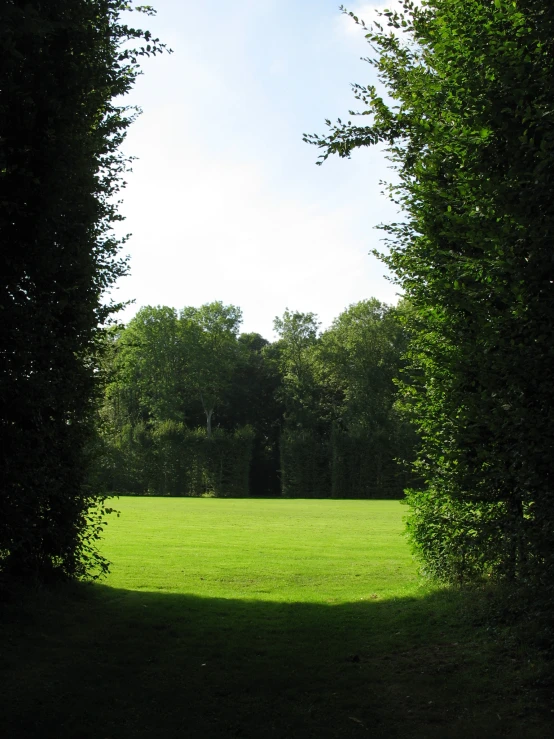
x: 363, y: 466
x: 471, y: 133
x: 62, y: 67
x: 349, y: 464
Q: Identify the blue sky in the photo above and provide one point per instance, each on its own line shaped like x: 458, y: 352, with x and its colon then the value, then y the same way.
x: 225, y: 201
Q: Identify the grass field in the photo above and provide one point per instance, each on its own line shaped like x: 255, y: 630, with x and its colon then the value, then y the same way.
x: 306, y: 551
x: 262, y: 618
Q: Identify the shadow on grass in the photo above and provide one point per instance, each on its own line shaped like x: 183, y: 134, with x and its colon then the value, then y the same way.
x: 93, y: 661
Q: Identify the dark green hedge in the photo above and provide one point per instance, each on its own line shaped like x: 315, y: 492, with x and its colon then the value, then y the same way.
x: 361, y: 465
x: 173, y: 460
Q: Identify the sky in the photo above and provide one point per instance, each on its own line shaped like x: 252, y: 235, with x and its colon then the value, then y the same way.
x: 225, y: 201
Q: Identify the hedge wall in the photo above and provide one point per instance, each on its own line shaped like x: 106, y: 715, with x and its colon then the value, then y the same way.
x: 170, y: 459
x: 305, y: 465
x: 347, y: 465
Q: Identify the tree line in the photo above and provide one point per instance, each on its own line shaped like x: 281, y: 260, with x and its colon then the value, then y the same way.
x: 195, y: 407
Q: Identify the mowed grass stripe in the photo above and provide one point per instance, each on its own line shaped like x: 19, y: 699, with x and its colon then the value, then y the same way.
x: 278, y: 550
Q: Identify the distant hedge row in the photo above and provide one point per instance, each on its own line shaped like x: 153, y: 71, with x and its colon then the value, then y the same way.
x: 342, y: 466
x: 171, y: 459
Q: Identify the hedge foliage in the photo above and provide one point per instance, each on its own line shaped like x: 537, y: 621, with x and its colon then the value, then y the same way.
x: 344, y: 465
x: 64, y: 67
x: 170, y: 459
x: 464, y: 110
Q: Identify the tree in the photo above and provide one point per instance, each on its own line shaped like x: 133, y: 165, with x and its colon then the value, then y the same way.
x: 170, y: 365
x: 215, y: 354
x: 360, y: 355
x: 471, y: 135
x: 298, y: 334
x: 359, y: 361
x: 254, y: 400
x: 149, y: 379
x: 63, y: 64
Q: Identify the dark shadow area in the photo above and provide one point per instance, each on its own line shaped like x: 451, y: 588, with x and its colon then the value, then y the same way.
x: 96, y: 662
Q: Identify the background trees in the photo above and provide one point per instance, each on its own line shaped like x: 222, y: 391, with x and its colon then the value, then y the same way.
x: 63, y: 64
x: 471, y: 134
x: 310, y: 415
x: 342, y: 436
x: 170, y: 372
x: 211, y: 334
x: 360, y: 359
x: 298, y: 334
x: 255, y: 400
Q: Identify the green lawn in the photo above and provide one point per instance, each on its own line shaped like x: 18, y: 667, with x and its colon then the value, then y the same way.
x: 305, y: 551
x: 262, y: 618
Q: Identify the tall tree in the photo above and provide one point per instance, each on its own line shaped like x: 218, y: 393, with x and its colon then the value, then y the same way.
x: 298, y: 333
x: 216, y: 352
x: 63, y: 65
x: 472, y: 136
x: 359, y: 361
x: 360, y: 357
x: 150, y: 366
x: 255, y: 400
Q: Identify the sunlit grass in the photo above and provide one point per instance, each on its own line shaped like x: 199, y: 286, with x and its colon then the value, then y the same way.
x: 278, y: 550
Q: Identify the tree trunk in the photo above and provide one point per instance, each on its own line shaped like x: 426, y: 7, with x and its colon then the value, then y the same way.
x: 209, y: 414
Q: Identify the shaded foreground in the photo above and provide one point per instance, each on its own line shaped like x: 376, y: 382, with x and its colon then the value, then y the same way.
x: 94, y: 661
